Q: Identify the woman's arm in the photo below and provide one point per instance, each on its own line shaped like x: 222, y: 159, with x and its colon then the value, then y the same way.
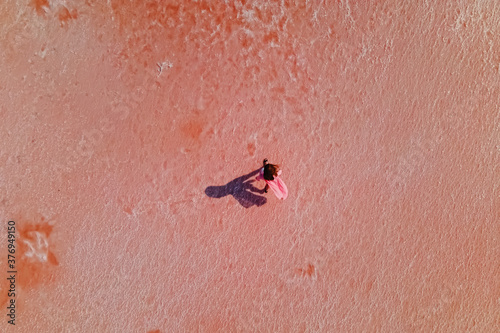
x: 260, y: 175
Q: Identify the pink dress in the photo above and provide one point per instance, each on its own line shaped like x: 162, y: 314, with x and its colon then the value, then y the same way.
x: 277, y: 185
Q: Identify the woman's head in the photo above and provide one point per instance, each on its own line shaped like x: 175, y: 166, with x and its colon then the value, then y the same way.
x: 270, y: 170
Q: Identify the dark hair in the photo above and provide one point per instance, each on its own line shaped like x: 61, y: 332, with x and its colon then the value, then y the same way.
x: 270, y: 170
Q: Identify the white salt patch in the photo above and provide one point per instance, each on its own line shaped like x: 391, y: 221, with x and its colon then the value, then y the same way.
x: 38, y: 247
x: 164, y: 65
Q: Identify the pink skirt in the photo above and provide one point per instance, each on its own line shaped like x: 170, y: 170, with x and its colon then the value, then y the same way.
x: 277, y: 185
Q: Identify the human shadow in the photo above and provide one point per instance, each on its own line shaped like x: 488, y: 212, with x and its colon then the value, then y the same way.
x: 241, y: 189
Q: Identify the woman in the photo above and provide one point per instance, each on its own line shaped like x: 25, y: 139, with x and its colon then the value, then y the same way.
x: 270, y: 173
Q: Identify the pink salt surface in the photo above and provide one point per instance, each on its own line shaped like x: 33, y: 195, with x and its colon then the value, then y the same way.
x: 118, y: 117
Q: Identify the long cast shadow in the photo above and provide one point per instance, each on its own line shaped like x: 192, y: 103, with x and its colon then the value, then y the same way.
x: 241, y: 189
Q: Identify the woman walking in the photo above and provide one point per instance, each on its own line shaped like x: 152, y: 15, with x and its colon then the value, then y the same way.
x: 270, y: 173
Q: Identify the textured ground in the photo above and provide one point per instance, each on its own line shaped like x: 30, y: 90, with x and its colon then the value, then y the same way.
x: 130, y: 130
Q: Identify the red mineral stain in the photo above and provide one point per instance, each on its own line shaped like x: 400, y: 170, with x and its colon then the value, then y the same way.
x: 245, y: 40
x: 271, y: 37
x: 35, y: 260
x: 251, y: 149
x: 51, y: 258
x: 144, y: 22
x: 192, y: 129
x: 155, y: 331
x: 278, y: 90
x: 65, y: 15
x: 309, y: 271
x: 41, y: 6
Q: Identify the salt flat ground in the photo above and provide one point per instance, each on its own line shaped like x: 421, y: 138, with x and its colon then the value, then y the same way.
x: 130, y: 131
